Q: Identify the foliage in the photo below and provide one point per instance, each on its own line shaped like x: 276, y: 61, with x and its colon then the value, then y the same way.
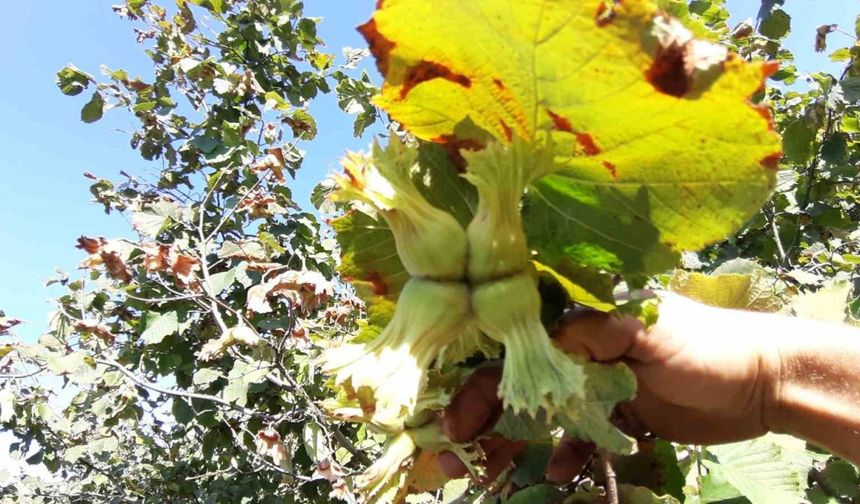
x: 182, y: 360
x: 184, y: 364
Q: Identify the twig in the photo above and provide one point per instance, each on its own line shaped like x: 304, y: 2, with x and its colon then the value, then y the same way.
x: 782, y: 257
x: 22, y: 375
x: 140, y: 382
x: 163, y: 300
x: 262, y: 177
x: 611, y: 480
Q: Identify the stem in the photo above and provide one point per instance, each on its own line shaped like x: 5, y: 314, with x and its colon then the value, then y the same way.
x: 140, y: 382
x: 775, y: 230
x: 611, y: 479
x: 22, y: 375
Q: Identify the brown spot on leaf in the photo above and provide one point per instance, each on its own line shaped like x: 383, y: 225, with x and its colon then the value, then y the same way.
x: 379, y: 285
x: 156, y: 257
x: 587, y: 142
x: 611, y: 167
x: 509, y: 134
x: 668, y: 73
x: 90, y: 245
x: 499, y: 84
x: 379, y: 4
x: 354, y: 180
x: 560, y: 123
x: 454, y: 145
x: 100, y: 331
x: 428, y: 70
x: 184, y: 267
x: 771, y: 161
x: 605, y: 15
x: 764, y: 111
x: 379, y: 46
x: 769, y: 68
x: 115, y: 266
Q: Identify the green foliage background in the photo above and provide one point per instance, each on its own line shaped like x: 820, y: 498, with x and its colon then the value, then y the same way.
x: 190, y: 349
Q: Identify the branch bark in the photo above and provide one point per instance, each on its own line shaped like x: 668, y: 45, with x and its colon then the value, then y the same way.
x: 140, y: 382
x: 611, y: 479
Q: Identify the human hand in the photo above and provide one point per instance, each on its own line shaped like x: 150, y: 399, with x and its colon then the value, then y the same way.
x: 474, y: 410
x: 705, y: 376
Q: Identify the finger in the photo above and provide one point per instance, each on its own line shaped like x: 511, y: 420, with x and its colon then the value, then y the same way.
x: 451, y: 465
x: 596, y: 335
x: 499, y: 453
x: 475, y: 408
x: 568, y: 460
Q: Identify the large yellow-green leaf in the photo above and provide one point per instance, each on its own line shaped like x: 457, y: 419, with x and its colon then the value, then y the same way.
x: 582, y: 286
x: 753, y: 291
x: 660, y: 149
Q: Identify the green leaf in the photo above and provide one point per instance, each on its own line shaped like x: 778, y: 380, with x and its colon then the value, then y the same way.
x: 251, y: 250
x: 715, y: 488
x: 182, y: 411
x: 764, y: 470
x: 158, y: 326
x: 220, y: 281
x: 454, y: 489
x: 537, y: 493
x: 70, y: 364
x: 850, y: 88
x: 629, y: 494
x: 797, y: 141
x: 240, y: 378
x: 842, y: 477
x: 144, y: 106
x: 840, y: 55
x: 776, y: 25
x: 275, y: 101
x: 205, y: 376
x: 314, y: 440
x: 152, y: 221
x: 94, y: 109
x: 522, y: 426
x: 531, y: 464
x: 834, y: 150
x: 74, y: 453
x: 72, y: 81
x: 205, y: 143
x: 588, y: 419
x: 583, y: 286
x: 303, y: 124
x: 653, y: 466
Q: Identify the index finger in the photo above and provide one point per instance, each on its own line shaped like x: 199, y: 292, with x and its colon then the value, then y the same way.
x: 475, y: 408
x: 596, y: 335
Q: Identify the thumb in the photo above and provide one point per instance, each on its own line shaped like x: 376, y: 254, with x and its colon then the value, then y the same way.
x: 596, y: 335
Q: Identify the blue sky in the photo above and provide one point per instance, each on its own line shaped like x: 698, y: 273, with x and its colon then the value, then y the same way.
x: 44, y: 200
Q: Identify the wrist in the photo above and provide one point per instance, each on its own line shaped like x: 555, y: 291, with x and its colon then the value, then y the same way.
x: 771, y: 376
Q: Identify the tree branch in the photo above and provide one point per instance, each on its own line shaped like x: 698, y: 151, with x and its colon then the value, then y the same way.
x: 22, y: 375
x: 140, y: 382
x: 611, y: 479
